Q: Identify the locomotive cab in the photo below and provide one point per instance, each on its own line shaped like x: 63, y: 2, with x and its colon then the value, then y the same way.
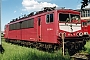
x: 69, y: 23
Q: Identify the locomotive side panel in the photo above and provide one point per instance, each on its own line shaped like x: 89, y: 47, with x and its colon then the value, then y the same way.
x: 11, y: 34
x: 14, y: 31
x: 48, y: 27
x: 29, y: 33
x: 18, y: 34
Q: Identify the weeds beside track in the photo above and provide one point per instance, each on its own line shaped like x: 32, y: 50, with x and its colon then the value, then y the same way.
x: 15, y: 52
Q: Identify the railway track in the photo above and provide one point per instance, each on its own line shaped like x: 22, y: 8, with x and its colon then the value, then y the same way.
x: 80, y: 56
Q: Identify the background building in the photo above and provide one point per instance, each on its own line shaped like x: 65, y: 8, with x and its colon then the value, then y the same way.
x: 85, y: 14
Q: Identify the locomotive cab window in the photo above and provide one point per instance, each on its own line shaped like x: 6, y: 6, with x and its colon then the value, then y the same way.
x: 64, y: 17
x: 68, y: 17
x: 75, y: 17
x: 49, y: 18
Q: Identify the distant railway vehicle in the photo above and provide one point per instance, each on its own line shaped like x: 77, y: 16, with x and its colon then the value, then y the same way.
x: 86, y: 28
x: 88, y: 24
x: 44, y: 29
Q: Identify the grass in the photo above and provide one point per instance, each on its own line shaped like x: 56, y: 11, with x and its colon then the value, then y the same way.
x: 15, y: 52
x: 87, y: 47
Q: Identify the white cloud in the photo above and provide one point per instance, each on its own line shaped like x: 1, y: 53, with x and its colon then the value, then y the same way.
x: 14, y: 11
x: 33, y: 5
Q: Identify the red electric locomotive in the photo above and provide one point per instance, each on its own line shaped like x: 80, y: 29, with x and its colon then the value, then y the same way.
x: 44, y: 29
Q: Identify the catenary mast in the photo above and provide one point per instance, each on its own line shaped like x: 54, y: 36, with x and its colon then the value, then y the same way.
x: 1, y: 48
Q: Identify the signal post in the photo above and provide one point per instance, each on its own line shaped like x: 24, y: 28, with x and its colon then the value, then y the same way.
x: 63, y: 37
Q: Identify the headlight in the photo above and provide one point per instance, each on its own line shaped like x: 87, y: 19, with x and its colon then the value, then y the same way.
x: 85, y: 33
x: 80, y: 34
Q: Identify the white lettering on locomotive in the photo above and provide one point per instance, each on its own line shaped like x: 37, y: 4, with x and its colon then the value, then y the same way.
x: 67, y: 27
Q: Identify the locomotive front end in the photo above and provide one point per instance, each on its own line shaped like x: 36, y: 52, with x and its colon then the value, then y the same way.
x: 70, y: 25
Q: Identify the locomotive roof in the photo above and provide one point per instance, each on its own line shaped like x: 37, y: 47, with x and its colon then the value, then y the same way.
x: 39, y: 13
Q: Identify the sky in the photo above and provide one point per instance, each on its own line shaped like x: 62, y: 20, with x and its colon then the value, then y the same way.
x: 11, y: 9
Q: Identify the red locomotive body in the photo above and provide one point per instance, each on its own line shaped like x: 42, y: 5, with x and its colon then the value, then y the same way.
x: 44, y: 29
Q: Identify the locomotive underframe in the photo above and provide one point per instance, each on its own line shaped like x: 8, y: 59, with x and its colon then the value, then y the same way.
x: 72, y: 44
x: 86, y: 37
x: 32, y: 44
